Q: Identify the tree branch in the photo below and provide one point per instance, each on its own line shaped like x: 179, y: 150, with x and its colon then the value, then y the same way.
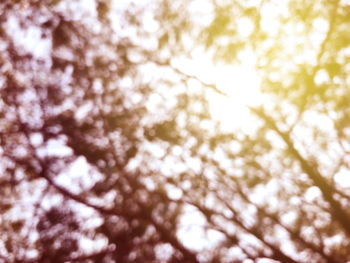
x: 327, y: 191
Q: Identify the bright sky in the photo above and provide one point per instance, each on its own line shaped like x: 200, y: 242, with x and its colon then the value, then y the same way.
x: 241, y: 84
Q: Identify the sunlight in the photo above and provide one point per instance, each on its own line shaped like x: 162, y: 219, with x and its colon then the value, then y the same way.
x: 242, y: 86
x: 239, y: 82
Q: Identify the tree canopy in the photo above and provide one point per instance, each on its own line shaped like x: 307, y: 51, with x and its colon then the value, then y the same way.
x: 116, y: 145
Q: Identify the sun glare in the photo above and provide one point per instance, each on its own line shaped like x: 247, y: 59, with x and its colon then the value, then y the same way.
x: 241, y: 84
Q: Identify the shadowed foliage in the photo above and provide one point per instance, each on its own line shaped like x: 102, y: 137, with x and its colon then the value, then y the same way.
x: 110, y: 151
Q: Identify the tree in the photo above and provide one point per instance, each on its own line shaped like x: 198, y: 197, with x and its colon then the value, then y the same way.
x: 107, y: 136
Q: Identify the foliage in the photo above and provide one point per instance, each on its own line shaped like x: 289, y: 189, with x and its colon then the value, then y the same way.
x: 108, y: 148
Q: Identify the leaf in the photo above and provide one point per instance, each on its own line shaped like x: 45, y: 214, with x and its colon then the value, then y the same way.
x: 17, y: 225
x: 5, y: 207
